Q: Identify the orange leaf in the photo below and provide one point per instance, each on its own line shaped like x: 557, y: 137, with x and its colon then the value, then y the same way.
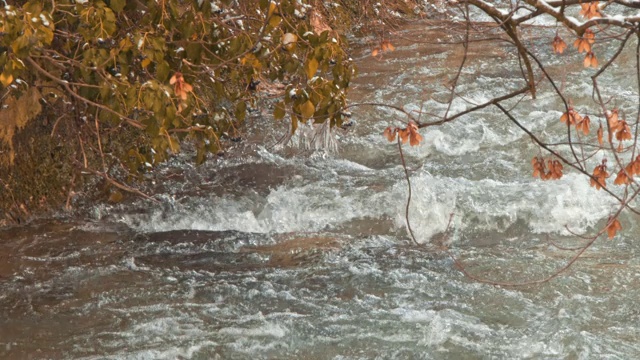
x: 613, y: 227
x: 414, y: 136
x: 555, y: 169
x: 635, y: 167
x: 584, y: 125
x: 572, y: 116
x: 590, y: 36
x: 175, y: 78
x: 558, y: 45
x: 612, y: 118
x: 585, y: 9
x: 564, y: 117
x: 582, y: 45
x: 387, y: 46
x: 622, y: 178
x: 600, y: 176
x: 390, y: 133
x: 6, y: 80
x: 180, y: 87
x: 538, y: 167
x: 537, y: 173
x: 600, y: 133
x: 404, y: 135
x: 415, y: 139
x: 575, y: 117
x: 624, y: 131
x: 590, y: 60
x: 590, y: 10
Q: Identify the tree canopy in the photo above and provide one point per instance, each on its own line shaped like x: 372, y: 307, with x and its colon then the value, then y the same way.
x: 171, y: 69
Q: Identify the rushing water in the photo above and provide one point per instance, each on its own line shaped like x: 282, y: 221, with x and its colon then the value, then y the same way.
x: 269, y: 255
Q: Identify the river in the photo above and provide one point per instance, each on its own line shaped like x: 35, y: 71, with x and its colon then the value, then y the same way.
x: 289, y: 254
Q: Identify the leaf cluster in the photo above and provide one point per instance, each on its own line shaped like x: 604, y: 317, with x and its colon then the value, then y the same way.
x: 172, y: 70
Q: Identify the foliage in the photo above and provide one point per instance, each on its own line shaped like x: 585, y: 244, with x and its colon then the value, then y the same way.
x: 170, y: 70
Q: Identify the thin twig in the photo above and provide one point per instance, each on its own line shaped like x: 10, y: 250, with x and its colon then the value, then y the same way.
x: 406, y: 174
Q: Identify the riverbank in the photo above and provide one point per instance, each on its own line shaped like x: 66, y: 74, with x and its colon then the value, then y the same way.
x: 47, y: 146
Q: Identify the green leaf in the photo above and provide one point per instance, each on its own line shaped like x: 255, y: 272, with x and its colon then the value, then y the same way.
x: 278, y: 112
x: 201, y: 154
x: 162, y: 71
x: 241, y: 110
x: 105, y: 90
x: 109, y: 22
x: 117, y: 5
x: 115, y: 197
x: 194, y: 51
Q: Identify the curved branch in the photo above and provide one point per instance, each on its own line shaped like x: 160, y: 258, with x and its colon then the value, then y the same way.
x: 68, y: 89
x: 475, y: 108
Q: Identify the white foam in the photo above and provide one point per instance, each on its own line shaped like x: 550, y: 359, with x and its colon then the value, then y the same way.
x: 494, y: 205
x: 269, y: 329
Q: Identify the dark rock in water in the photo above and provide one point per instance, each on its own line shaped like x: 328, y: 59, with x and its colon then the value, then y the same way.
x: 208, y: 261
x: 195, y: 242
x: 196, y: 249
x: 174, y: 237
x: 228, y: 250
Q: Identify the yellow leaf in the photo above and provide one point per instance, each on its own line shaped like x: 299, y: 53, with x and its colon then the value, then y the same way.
x: 312, y: 67
x: 6, y: 79
x: 279, y: 111
x: 145, y: 63
x: 307, y: 109
x: 115, y: 197
x: 272, y: 9
x: 47, y: 36
x: 173, y: 145
x: 275, y: 21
